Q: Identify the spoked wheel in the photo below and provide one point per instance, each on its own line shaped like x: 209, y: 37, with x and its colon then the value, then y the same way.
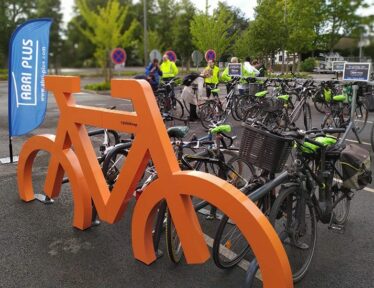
x: 341, y: 198
x: 360, y: 117
x: 210, y: 112
x: 114, y: 162
x: 307, y: 116
x: 176, y: 109
x: 296, y: 226
x: 320, y: 106
x: 234, y: 103
x: 372, y: 137
x: 173, y: 244
x: 230, y: 246
x: 242, y: 106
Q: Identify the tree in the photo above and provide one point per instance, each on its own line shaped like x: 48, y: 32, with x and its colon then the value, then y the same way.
x: 341, y: 18
x: 12, y: 14
x: 51, y: 9
x: 213, y: 32
x: 182, y: 38
x: 105, y: 29
x: 268, y: 32
x: 243, y: 44
x: 301, y: 23
x: 166, y: 15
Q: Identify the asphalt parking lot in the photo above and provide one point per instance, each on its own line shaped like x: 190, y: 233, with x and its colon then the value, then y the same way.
x: 40, y: 248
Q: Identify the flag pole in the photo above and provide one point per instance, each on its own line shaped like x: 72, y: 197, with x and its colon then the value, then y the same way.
x: 10, y: 149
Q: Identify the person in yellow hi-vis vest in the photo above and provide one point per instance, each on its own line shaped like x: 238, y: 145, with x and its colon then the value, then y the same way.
x: 169, y: 71
x: 168, y: 68
x: 210, y: 74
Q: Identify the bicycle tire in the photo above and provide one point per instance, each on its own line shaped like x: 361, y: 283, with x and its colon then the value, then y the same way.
x: 320, y: 106
x: 111, y: 166
x: 234, y: 102
x: 210, y: 113
x: 372, y: 138
x: 341, y: 199
x: 307, y: 116
x: 284, y: 206
x: 361, y: 112
x: 242, y: 106
x: 177, y: 110
x: 173, y: 245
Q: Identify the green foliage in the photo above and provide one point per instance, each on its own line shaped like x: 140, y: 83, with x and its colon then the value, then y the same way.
x: 308, y: 65
x: 213, y: 32
x: 105, y: 29
x: 102, y: 86
x: 182, y: 38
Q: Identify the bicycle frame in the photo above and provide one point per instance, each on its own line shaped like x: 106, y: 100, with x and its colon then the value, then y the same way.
x: 173, y: 185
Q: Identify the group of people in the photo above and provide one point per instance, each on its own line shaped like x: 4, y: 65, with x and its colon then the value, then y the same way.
x: 194, y: 82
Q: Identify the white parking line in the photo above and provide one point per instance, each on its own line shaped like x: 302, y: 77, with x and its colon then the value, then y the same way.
x: 355, y: 141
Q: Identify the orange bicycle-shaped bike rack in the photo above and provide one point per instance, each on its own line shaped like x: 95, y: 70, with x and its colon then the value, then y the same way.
x: 175, y: 186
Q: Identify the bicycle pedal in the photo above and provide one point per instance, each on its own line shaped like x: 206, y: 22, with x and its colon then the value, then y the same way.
x: 44, y: 199
x: 159, y: 253
x: 337, y: 228
x: 95, y: 222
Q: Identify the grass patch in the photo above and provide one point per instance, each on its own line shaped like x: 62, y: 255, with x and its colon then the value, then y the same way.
x: 102, y: 86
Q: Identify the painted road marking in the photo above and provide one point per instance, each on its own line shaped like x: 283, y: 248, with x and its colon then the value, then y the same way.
x: 355, y: 141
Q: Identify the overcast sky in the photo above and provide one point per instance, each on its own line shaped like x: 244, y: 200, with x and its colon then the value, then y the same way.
x: 245, y: 5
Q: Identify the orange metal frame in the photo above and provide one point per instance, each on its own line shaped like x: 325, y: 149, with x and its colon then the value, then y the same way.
x: 176, y: 186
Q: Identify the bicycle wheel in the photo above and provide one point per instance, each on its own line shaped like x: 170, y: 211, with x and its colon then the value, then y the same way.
x: 229, y: 246
x: 307, y: 116
x: 113, y: 163
x: 186, y: 106
x: 341, y: 199
x: 234, y: 103
x: 321, y: 107
x: 360, y: 117
x: 173, y: 245
x: 242, y: 105
x: 210, y: 112
x: 372, y: 137
x: 298, y: 238
x: 177, y: 110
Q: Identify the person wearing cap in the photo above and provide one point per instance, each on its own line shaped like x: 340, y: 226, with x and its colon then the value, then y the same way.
x: 153, y: 73
x: 210, y: 74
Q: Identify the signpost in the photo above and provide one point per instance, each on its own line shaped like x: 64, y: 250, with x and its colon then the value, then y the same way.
x: 235, y: 69
x: 155, y: 54
x: 118, y: 56
x: 338, y: 67
x: 210, y: 55
x: 197, y: 57
x: 356, y: 72
x: 172, y: 56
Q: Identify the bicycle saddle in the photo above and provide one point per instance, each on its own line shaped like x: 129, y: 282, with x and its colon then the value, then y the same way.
x: 285, y: 98
x: 339, y: 98
x: 225, y: 128
x: 261, y: 93
x: 178, y: 131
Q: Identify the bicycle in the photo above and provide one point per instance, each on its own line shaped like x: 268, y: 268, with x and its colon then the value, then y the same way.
x: 150, y: 142
x: 216, y: 157
x: 167, y: 101
x: 313, y: 189
x: 213, y: 111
